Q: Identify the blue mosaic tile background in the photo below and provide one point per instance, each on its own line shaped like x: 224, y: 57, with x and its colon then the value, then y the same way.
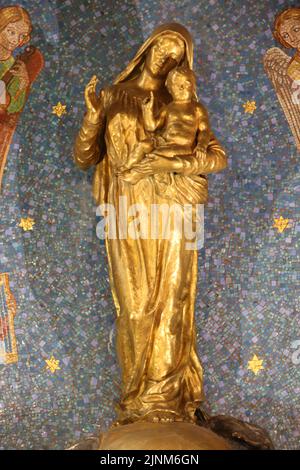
x: 248, y: 292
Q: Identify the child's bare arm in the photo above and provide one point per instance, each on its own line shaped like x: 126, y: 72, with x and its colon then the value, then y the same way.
x: 203, y: 135
x: 152, y: 122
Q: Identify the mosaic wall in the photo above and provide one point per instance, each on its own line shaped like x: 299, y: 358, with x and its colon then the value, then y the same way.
x: 63, y: 379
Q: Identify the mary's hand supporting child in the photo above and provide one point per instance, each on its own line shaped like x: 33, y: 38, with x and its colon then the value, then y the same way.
x: 153, y: 164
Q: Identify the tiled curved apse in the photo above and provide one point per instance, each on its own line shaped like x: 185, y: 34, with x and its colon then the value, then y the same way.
x: 247, y: 289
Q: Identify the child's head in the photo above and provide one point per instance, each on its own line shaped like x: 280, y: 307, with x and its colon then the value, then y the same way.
x: 181, y: 84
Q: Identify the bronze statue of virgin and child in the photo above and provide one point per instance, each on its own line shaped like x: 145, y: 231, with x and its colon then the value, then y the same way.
x: 150, y: 141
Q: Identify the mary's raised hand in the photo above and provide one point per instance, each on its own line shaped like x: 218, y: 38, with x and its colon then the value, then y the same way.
x: 93, y: 101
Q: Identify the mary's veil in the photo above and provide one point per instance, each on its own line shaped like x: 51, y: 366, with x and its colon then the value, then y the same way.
x: 136, y: 65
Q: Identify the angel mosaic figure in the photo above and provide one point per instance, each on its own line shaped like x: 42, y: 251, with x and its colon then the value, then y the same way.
x: 16, y: 74
x: 283, y: 70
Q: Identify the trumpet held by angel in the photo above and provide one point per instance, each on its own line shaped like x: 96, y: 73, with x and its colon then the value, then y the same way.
x: 284, y: 71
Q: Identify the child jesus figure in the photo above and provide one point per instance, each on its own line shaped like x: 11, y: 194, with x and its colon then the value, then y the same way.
x: 183, y: 122
x: 182, y: 125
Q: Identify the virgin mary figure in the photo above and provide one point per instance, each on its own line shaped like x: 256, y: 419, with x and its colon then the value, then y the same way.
x: 153, y: 280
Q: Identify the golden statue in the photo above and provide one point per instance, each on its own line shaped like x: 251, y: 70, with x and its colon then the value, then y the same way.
x: 150, y: 140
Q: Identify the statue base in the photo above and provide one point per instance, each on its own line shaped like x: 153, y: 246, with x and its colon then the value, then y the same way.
x: 161, y: 436
x: 143, y: 435
x: 208, y: 433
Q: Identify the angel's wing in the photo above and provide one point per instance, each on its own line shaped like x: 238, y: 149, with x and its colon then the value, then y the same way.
x: 276, y: 63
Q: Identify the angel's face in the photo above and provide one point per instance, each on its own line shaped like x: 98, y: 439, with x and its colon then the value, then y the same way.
x: 290, y: 32
x: 14, y: 35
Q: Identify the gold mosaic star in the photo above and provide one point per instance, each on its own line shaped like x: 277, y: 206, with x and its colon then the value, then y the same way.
x: 255, y: 364
x: 52, y: 364
x: 26, y: 223
x: 59, y: 109
x: 281, y: 224
x: 249, y: 107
